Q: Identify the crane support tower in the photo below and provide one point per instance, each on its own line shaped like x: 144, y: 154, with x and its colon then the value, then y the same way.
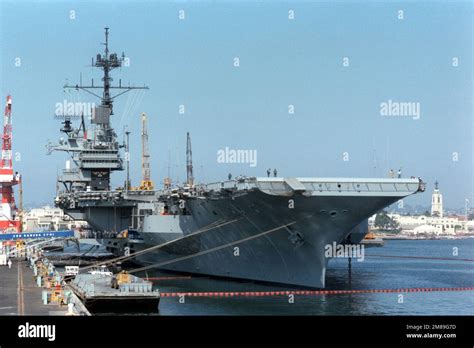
x: 9, y: 217
x: 146, y: 183
x: 189, y: 162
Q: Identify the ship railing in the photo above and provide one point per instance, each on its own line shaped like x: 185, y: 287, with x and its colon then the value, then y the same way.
x: 242, y: 184
x: 359, y: 186
x: 71, y: 171
x: 336, y: 185
x: 92, y: 145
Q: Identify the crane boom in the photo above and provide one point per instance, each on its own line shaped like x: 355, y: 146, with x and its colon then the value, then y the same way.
x: 145, y: 152
x: 189, y: 162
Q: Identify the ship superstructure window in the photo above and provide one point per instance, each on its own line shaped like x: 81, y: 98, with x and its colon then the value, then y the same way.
x: 144, y: 212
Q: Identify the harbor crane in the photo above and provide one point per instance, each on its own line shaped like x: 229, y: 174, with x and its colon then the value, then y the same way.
x: 10, y: 217
x: 189, y: 162
x: 147, y: 183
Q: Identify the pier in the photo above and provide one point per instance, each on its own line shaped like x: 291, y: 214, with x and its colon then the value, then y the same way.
x: 20, y: 295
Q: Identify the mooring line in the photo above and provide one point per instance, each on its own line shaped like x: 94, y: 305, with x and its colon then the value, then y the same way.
x: 306, y: 292
x: 204, y: 252
x: 156, y: 247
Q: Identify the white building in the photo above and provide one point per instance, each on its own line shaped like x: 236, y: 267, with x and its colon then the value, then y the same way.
x: 437, y: 225
x: 49, y: 219
x: 427, y: 230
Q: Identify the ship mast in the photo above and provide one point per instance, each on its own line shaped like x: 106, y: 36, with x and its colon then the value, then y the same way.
x: 96, y: 154
x: 107, y: 62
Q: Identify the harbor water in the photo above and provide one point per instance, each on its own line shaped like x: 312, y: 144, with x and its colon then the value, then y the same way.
x: 443, y: 264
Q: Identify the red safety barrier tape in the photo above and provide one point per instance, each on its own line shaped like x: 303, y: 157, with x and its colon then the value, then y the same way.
x: 420, y: 257
x: 306, y: 292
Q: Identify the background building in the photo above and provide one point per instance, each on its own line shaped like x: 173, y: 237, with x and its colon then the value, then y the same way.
x: 431, y: 226
x: 49, y: 219
x: 436, y: 202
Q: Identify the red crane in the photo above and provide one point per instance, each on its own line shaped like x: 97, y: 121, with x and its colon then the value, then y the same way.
x: 9, y: 219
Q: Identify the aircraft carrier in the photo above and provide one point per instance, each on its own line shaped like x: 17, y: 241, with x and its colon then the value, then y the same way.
x: 259, y: 228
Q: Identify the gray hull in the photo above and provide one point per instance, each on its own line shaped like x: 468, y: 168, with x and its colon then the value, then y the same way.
x: 290, y: 255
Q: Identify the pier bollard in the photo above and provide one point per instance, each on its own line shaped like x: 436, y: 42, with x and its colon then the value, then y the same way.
x: 70, y: 308
x: 44, y: 296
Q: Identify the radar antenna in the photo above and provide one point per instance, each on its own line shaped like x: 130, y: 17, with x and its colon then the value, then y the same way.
x: 107, y: 62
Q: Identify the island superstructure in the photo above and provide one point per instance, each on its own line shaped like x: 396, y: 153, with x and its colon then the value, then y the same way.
x: 259, y: 228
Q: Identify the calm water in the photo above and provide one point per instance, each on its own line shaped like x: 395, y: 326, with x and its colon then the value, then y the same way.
x: 373, y: 273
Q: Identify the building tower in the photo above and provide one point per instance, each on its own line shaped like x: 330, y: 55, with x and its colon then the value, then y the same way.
x: 437, y: 202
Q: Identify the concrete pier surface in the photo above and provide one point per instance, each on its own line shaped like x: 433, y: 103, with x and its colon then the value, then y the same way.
x: 19, y: 294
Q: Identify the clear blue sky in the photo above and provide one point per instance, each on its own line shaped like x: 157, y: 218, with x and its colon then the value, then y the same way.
x: 282, y: 62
